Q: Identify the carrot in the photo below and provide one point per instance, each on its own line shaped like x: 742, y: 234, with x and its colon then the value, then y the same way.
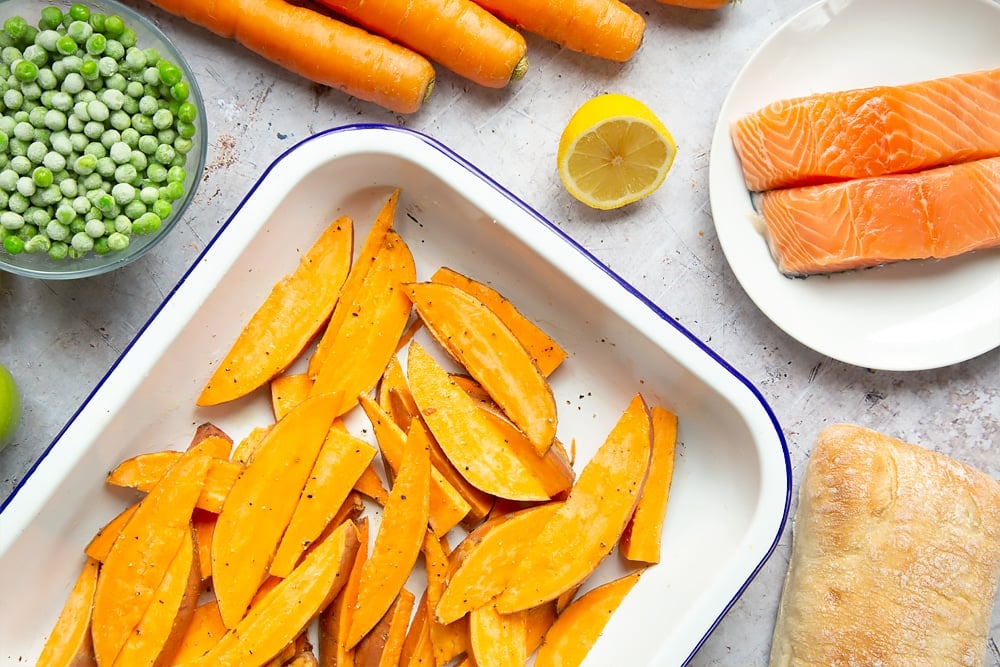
x: 458, y: 34
x: 607, y: 29
x: 317, y: 47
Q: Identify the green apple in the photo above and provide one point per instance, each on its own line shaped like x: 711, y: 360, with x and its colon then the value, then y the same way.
x: 10, y: 406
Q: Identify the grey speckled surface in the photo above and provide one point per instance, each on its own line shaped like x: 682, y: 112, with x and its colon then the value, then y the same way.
x: 58, y: 339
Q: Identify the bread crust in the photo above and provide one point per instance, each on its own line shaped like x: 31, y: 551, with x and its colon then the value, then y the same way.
x: 895, y: 557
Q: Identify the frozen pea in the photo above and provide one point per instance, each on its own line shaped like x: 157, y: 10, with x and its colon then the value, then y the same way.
x: 37, y: 216
x: 21, y: 165
x: 135, y: 208
x: 166, y: 135
x: 59, y: 250
x: 98, y: 110
x: 95, y: 148
x: 123, y: 224
x: 149, y: 194
x: 4, y: 198
x: 93, y: 129
x: 120, y: 120
x: 94, y: 228
x: 135, y: 89
x: 74, y: 123
x: 42, y: 176
x: 130, y: 136
x: 105, y: 167
x: 116, y: 82
x: 183, y: 146
x: 147, y: 144
x: 85, y: 164
x: 165, y: 154
x: 95, y: 44
x: 114, y: 49
x: 68, y: 187
x: 162, y: 119
x: 123, y: 193
x: 37, y: 150
x: 55, y: 120
x: 11, y: 220
x: 65, y: 213
x: 80, y: 31
x: 101, y: 246
x: 142, y: 123
x: 73, y: 83
x: 13, y: 244
x: 8, y: 179
x: 135, y: 59
x: 125, y: 173
x: 24, y: 131
x: 130, y: 105
x: 78, y: 142
x: 147, y: 223
x: 13, y: 99
x: 139, y: 161
x: 80, y: 110
x: 36, y: 116
x: 151, y: 76
x: 37, y: 244
x: 156, y: 173
x: 47, y: 39
x: 172, y: 191
x: 110, y: 137
x: 148, y: 105
x: 113, y: 99
x: 92, y: 181
x: 26, y: 186
x: 162, y: 208
x: 82, y: 242
x: 57, y: 230
x: 47, y: 80
x: 120, y: 152
x: 117, y: 241
x: 16, y: 147
x: 80, y: 205
x: 17, y: 202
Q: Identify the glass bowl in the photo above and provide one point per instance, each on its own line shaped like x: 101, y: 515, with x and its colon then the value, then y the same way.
x: 40, y: 264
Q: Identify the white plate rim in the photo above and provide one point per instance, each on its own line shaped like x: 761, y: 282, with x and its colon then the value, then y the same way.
x: 879, y: 331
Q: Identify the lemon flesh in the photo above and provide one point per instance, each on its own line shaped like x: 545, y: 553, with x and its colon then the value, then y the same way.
x: 614, y: 151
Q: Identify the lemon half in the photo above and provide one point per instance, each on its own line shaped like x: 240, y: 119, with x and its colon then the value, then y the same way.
x: 614, y: 151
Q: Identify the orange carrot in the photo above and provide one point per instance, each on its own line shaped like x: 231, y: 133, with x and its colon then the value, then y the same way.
x: 317, y: 47
x: 607, y: 29
x: 458, y: 34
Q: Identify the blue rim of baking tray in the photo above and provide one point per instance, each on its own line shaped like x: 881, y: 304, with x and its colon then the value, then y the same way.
x: 455, y: 157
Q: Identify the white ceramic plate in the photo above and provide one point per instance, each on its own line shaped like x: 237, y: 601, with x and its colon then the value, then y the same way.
x: 729, y: 499
x: 905, y: 316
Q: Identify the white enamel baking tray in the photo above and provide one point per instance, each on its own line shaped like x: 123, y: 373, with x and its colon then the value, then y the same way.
x: 730, y: 495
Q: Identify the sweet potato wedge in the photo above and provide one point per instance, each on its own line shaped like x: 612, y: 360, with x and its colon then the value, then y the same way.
x: 574, y: 633
x: 211, y: 441
x: 245, y: 449
x: 497, y: 639
x: 287, y: 320
x: 480, y: 341
x: 589, y: 522
x: 102, y: 541
x: 451, y: 640
x: 418, y: 650
x: 538, y: 620
x: 641, y: 540
x: 203, y: 524
x: 367, y: 338
x: 287, y: 391
x: 394, y: 394
x: 69, y: 644
x: 203, y: 632
x: 138, y: 561
x: 472, y: 441
x: 447, y: 506
x: 382, y: 646
x: 398, y: 540
x: 265, y: 496
x: 161, y: 630
x: 278, y: 617
x: 546, y: 352
x: 340, y: 462
x: 335, y: 618
x: 359, y: 269
x: 482, y: 564
x: 141, y: 472
x: 370, y: 485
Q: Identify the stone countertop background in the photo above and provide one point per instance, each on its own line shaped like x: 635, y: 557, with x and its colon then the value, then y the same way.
x: 59, y: 338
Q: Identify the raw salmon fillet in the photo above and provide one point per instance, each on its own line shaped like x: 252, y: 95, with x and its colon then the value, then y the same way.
x: 935, y: 213
x: 870, y: 131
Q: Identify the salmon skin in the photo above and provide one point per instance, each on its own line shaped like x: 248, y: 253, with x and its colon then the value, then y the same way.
x: 874, y: 131
x: 936, y: 213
